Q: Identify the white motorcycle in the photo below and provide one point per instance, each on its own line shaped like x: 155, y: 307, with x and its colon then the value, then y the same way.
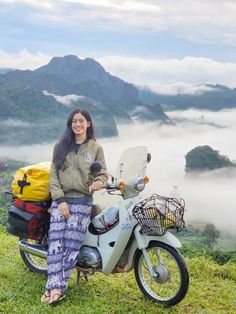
x: 133, y: 234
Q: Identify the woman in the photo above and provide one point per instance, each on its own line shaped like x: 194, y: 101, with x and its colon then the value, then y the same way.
x: 71, y: 187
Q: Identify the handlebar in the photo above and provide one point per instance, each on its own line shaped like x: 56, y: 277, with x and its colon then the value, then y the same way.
x: 111, y: 186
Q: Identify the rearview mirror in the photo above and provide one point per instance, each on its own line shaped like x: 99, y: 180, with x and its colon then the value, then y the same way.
x: 96, y: 167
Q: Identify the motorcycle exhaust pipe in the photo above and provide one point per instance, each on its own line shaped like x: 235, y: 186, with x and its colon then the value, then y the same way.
x: 34, y: 249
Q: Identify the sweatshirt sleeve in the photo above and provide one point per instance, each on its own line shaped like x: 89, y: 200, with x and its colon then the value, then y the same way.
x: 101, y: 175
x: 55, y: 185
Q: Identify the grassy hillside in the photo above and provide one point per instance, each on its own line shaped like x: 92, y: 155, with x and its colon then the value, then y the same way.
x: 212, y: 289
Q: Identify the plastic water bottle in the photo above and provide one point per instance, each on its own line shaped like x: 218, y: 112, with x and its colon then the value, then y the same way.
x: 175, y: 193
x: 174, y: 207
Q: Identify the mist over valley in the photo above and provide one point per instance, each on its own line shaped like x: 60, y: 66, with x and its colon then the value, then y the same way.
x: 44, y: 97
x: 34, y: 106
x: 209, y: 196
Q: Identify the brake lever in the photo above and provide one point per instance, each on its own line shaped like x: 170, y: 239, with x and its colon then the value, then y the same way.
x: 112, y: 192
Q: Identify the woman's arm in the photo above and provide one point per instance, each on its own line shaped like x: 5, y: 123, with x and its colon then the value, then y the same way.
x: 57, y: 192
x: 55, y: 185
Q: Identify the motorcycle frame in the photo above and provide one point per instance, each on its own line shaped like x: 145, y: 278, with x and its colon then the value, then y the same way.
x: 112, y: 243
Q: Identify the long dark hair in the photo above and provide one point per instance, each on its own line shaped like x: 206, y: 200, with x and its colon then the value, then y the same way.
x: 67, y: 140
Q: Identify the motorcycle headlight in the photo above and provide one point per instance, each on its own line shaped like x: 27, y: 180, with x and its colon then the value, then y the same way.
x: 140, y: 185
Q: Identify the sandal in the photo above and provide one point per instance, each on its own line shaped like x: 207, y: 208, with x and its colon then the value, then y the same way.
x: 45, y: 297
x: 55, y: 298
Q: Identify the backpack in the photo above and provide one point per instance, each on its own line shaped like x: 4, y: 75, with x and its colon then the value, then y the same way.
x: 31, y: 183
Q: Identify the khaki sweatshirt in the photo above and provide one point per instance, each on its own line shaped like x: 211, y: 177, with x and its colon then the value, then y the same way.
x: 75, y: 180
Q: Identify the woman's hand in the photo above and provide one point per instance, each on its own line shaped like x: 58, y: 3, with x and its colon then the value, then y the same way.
x: 96, y: 186
x: 64, y: 210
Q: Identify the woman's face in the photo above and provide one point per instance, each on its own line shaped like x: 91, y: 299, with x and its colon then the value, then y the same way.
x: 79, y: 124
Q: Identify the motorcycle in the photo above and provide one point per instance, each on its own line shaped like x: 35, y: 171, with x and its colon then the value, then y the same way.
x: 133, y: 234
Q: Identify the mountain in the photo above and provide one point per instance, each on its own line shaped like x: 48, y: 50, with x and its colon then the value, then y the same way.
x: 5, y: 70
x: 88, y: 71
x: 33, y: 97
x: 214, y: 97
x: 30, y: 116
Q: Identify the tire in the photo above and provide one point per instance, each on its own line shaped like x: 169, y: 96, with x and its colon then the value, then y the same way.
x: 35, y: 264
x: 171, y: 284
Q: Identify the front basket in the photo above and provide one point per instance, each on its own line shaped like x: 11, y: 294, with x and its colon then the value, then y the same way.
x: 157, y: 213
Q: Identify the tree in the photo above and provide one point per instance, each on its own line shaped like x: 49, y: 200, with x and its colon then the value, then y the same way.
x: 210, y: 235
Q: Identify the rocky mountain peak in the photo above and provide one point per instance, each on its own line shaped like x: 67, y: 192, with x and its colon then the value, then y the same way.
x: 73, y: 69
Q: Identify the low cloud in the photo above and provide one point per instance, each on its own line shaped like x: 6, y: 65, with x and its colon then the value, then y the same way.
x: 16, y: 123
x: 66, y: 100
x: 23, y: 59
x: 190, y: 70
x: 28, y: 154
x: 224, y: 117
x: 179, y: 89
x: 209, y: 196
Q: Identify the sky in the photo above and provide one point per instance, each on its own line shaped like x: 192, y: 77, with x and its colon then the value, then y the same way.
x: 163, y: 44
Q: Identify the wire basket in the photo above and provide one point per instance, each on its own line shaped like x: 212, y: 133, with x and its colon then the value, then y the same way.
x: 157, y: 213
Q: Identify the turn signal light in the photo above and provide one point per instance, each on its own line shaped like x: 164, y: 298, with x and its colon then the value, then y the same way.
x: 146, y: 180
x: 121, y: 185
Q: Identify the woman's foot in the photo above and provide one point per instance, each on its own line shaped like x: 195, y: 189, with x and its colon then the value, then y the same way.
x: 45, y: 297
x: 55, y: 296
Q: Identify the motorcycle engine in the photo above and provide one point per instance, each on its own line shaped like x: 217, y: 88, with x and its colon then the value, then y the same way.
x: 89, y: 257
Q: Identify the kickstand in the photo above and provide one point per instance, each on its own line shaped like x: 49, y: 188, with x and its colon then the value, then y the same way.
x: 79, y: 276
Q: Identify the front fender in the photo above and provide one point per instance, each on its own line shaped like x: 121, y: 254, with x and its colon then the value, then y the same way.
x: 142, y: 241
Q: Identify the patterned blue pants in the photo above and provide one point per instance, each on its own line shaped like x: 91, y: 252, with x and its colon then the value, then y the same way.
x: 65, y: 239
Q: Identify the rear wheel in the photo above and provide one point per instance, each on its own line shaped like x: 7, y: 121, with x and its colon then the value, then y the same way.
x: 171, y: 280
x: 34, y: 263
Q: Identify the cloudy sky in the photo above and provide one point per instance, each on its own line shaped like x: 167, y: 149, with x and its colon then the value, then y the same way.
x: 151, y: 42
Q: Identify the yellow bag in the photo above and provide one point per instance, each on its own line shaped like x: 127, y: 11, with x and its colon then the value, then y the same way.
x: 31, y: 183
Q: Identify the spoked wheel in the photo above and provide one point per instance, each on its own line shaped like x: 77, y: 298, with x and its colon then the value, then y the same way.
x: 170, y: 284
x: 34, y: 263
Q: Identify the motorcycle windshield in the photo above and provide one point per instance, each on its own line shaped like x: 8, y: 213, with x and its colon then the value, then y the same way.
x: 133, y: 163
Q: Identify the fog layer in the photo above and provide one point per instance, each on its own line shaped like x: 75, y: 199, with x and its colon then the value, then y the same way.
x: 210, y: 196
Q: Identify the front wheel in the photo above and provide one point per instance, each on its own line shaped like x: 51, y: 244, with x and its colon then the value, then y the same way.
x: 170, y: 284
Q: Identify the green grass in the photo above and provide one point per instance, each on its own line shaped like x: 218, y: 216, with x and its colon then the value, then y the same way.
x: 212, y: 289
